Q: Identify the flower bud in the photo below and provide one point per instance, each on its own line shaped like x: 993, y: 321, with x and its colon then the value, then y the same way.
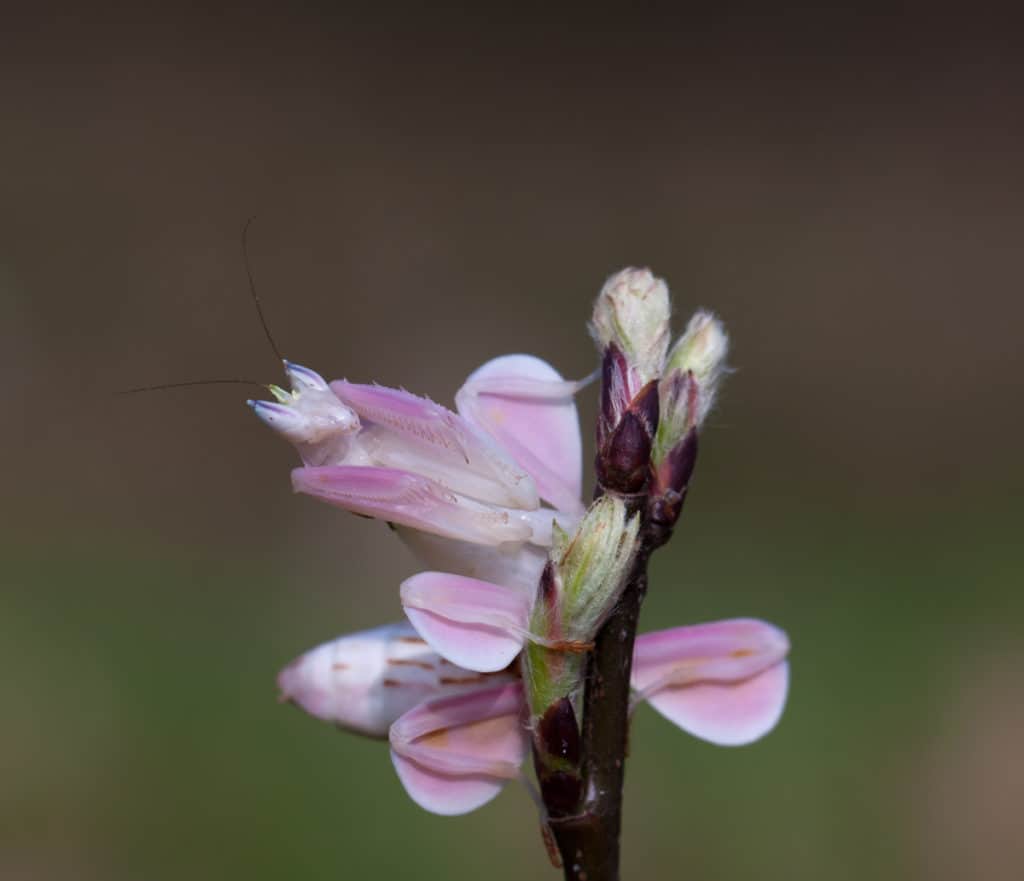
x: 678, y: 395
x: 626, y: 426
x: 632, y: 311
x: 686, y: 394
x: 701, y: 352
x: 592, y: 566
x: 577, y: 591
x: 631, y: 324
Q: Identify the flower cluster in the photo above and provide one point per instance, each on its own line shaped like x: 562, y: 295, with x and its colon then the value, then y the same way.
x: 488, y: 497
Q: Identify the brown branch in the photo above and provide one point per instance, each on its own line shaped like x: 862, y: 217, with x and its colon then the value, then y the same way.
x: 587, y: 834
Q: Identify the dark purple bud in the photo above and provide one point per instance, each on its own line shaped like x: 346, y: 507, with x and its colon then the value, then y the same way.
x: 664, y: 511
x: 646, y: 405
x: 561, y: 791
x: 676, y: 468
x: 556, y: 756
x: 615, y: 391
x: 623, y: 460
x: 548, y: 587
x: 558, y: 733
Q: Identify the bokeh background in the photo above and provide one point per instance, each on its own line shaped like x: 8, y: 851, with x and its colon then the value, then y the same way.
x: 844, y: 188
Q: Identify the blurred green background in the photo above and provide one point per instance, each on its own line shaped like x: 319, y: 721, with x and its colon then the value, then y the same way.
x: 844, y: 189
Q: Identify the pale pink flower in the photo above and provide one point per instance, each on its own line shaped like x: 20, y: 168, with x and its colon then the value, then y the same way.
x: 466, y: 491
x: 458, y: 736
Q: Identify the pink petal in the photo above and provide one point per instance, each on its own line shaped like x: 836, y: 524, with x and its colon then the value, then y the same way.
x: 411, y: 500
x: 414, y: 434
x: 727, y: 714
x: 475, y: 624
x: 524, y: 403
x: 455, y: 754
x: 725, y: 682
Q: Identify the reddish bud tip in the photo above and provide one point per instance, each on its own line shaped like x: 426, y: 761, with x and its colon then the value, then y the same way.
x: 676, y: 469
x: 622, y: 461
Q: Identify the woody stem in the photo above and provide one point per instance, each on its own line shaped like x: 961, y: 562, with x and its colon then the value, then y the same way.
x: 588, y: 841
x: 587, y: 837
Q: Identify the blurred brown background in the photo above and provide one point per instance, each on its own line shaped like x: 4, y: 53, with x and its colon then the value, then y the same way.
x: 843, y: 188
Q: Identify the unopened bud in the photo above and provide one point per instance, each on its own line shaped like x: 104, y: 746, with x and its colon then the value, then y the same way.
x: 701, y: 351
x: 625, y: 439
x: 687, y: 391
x: 632, y: 311
x: 586, y: 574
x: 670, y: 484
x: 686, y: 394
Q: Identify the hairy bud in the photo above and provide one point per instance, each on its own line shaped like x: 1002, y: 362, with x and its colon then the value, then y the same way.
x: 694, y: 370
x: 686, y: 394
x: 632, y: 311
